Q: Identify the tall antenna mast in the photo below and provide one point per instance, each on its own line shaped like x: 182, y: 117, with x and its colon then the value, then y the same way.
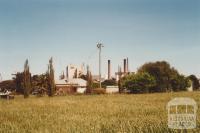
x: 99, y: 46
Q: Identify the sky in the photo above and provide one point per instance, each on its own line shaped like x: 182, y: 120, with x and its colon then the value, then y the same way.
x: 68, y: 30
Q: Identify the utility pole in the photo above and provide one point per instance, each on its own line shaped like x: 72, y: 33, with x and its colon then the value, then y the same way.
x: 99, y: 46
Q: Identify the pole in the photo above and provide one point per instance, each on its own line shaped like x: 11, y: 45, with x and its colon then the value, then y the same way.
x: 99, y: 46
x: 100, y: 67
x: 109, y: 71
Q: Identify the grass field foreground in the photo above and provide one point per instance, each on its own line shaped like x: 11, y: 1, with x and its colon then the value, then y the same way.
x: 90, y: 113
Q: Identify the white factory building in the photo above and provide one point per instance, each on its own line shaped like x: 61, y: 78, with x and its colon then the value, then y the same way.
x: 71, y: 70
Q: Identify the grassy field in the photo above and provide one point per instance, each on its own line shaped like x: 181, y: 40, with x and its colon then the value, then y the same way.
x: 95, y: 113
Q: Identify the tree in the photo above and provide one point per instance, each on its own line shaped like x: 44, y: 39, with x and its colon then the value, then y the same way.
x: 51, y: 81
x: 138, y: 83
x: 27, y: 80
x: 40, y: 80
x: 195, y: 82
x: 88, y: 77
x: 39, y: 84
x: 119, y: 81
x: 18, y: 80
x: 167, y: 78
x: 179, y: 83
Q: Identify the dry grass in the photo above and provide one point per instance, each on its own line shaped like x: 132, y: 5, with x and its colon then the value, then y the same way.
x: 96, y: 113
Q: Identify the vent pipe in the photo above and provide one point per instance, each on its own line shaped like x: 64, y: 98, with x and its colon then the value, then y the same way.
x: 109, y: 69
x: 127, y: 69
x: 125, y: 66
x: 67, y: 73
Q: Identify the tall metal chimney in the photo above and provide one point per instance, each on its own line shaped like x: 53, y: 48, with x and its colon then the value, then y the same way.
x: 109, y: 69
x: 67, y: 73
x: 125, y: 66
x: 127, y: 69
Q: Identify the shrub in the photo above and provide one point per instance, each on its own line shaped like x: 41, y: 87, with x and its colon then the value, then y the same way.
x: 138, y: 83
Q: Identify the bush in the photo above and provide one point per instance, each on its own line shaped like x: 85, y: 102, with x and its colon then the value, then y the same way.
x: 95, y: 85
x: 138, y: 83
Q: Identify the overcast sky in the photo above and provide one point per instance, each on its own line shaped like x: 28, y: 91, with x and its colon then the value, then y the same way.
x: 68, y: 30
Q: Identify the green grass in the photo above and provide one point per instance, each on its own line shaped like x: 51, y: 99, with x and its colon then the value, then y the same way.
x: 95, y: 113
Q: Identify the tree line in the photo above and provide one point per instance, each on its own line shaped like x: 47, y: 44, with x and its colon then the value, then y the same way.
x: 151, y: 77
x: 24, y: 83
x: 158, y: 77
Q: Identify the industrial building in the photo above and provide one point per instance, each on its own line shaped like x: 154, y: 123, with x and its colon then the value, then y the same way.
x: 70, y: 83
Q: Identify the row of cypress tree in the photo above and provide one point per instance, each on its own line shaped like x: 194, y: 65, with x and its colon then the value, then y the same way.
x: 27, y: 79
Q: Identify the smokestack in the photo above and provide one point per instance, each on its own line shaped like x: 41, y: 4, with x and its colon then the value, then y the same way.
x: 125, y: 66
x: 109, y: 69
x: 67, y: 73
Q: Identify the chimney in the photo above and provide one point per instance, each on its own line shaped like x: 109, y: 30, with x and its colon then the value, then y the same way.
x: 67, y: 73
x: 125, y: 66
x: 127, y: 69
x: 109, y: 69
